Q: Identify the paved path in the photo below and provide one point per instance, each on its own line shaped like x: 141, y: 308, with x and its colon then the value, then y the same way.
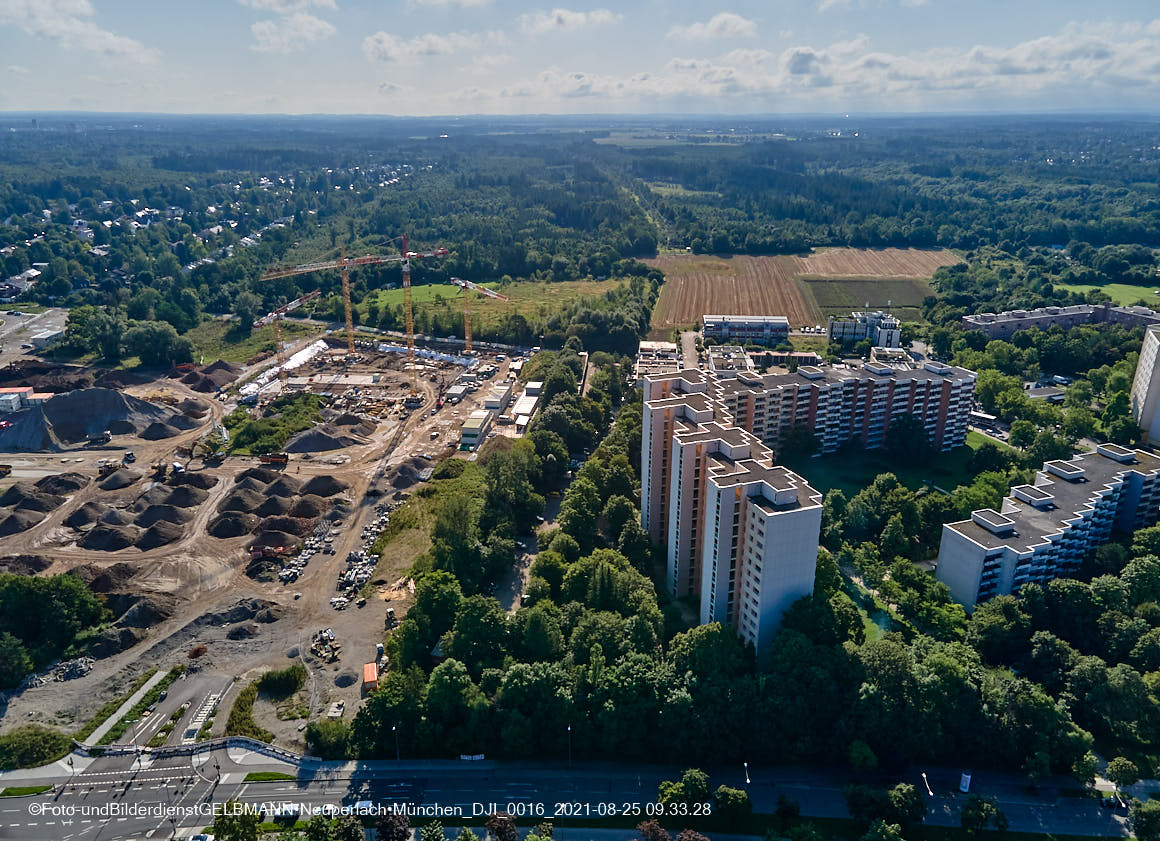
x: 123, y: 710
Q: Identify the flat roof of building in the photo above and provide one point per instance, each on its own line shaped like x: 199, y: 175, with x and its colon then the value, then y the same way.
x: 1032, y: 523
x: 746, y: 319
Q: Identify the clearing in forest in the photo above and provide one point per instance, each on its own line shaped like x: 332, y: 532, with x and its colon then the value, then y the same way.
x: 806, y: 289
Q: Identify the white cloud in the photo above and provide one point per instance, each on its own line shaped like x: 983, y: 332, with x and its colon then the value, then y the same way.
x: 293, y: 29
x: 564, y: 20
x: 721, y: 25
x: 463, y: 4
x: 385, y: 47
x: 287, y: 7
x: 290, y: 33
x: 833, y: 4
x: 1083, y: 62
x: 67, y: 22
x: 18, y: 70
x: 389, y: 88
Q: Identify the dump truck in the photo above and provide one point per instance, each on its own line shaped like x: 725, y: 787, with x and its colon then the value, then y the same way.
x: 274, y: 458
x: 5, y: 469
x: 101, y: 437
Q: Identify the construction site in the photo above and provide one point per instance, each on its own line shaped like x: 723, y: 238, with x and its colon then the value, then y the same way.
x: 214, y: 552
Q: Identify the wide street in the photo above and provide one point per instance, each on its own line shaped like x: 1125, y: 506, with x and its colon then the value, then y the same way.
x: 120, y: 798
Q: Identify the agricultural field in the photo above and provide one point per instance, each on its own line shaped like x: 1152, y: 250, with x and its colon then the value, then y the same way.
x: 534, y: 300
x: 805, y: 289
x: 1122, y: 294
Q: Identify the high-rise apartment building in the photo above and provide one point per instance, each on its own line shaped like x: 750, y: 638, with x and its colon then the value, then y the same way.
x: 1045, y: 530
x: 1146, y: 386
x: 741, y: 531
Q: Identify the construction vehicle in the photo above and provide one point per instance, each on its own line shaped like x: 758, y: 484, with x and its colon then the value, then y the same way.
x: 345, y: 264
x: 467, y: 287
x: 160, y: 469
x: 128, y: 457
x: 274, y: 458
x: 101, y: 437
x: 106, y: 466
x: 183, y: 367
x: 5, y: 469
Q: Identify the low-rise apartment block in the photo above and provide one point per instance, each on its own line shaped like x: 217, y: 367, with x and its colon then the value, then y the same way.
x: 1005, y: 324
x: 1045, y: 530
x: 881, y: 329
x: 762, y: 329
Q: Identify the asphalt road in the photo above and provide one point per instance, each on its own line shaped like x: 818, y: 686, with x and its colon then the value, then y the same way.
x: 121, y: 798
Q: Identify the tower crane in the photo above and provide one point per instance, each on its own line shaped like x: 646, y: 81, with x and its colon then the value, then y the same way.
x: 276, y: 317
x: 468, y: 287
x: 345, y: 264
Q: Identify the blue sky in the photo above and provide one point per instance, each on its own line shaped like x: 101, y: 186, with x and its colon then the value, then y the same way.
x: 508, y: 57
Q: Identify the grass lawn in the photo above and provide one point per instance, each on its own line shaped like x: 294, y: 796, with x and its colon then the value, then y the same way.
x: 214, y: 340
x: 853, y: 471
x: 269, y: 777
x: 530, y: 298
x: 23, y: 791
x: 1122, y: 294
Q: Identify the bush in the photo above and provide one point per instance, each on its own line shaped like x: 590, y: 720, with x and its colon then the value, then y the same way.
x: 241, y: 721
x: 328, y: 739
x: 283, y: 683
x: 31, y: 746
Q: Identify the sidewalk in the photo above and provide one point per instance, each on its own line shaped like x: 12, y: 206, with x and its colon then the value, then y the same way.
x: 108, y: 723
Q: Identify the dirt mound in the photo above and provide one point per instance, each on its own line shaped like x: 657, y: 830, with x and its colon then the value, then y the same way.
x: 145, y: 611
x: 275, y: 539
x: 115, y: 640
x: 122, y: 379
x: 193, y: 408
x: 263, y: 569
x: 204, y: 481
x: 63, y: 484
x: 261, y: 474
x: 19, y: 521
x: 70, y: 418
x: 272, y: 506
x: 117, y: 517
x: 159, y: 534
x: 322, y: 439
x: 402, y: 475
x: 242, y: 611
x: 356, y: 423
x: 163, y: 513
x: 122, y: 427
x: 345, y: 679
x: 118, y: 479
x: 192, y: 378
x: 86, y: 515
x: 309, y: 506
x: 251, y: 484
x: 241, y: 500
x: 156, y: 495
x: 104, y: 579
x: 270, y: 614
x: 232, y: 524
x: 159, y: 430
x: 187, y: 496
x: 104, y: 538
x: 324, y: 486
x: 17, y: 493
x: 183, y: 422
x: 41, y: 502
x: 24, y: 564
x: 246, y: 631
x: 222, y: 365
x: 291, y: 525
x: 284, y: 486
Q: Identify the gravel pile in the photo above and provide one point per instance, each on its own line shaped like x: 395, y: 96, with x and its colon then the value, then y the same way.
x: 187, y: 496
x: 324, y: 486
x: 117, y: 517
x: 260, y: 474
x: 284, y: 486
x: 163, y: 513
x: 63, y: 484
x: 104, y: 538
x: 159, y: 534
x: 287, y: 525
x: 119, y: 479
x: 272, y: 506
x: 204, y: 481
x: 276, y: 538
x: 241, y: 500
x: 24, y: 564
x: 309, y: 506
x: 86, y: 515
x: 19, y: 521
x: 232, y: 524
x: 323, y: 439
x: 157, y: 430
x: 70, y: 418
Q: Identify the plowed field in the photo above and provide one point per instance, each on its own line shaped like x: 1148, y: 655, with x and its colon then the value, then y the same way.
x: 697, y: 285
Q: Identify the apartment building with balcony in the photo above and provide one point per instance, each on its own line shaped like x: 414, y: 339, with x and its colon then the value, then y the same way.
x: 1046, y: 529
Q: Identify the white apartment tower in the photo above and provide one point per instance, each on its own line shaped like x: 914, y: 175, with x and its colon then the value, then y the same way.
x: 1146, y: 386
x: 1046, y: 529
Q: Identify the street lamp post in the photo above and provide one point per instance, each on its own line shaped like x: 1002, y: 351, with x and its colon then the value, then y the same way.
x: 395, y: 730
